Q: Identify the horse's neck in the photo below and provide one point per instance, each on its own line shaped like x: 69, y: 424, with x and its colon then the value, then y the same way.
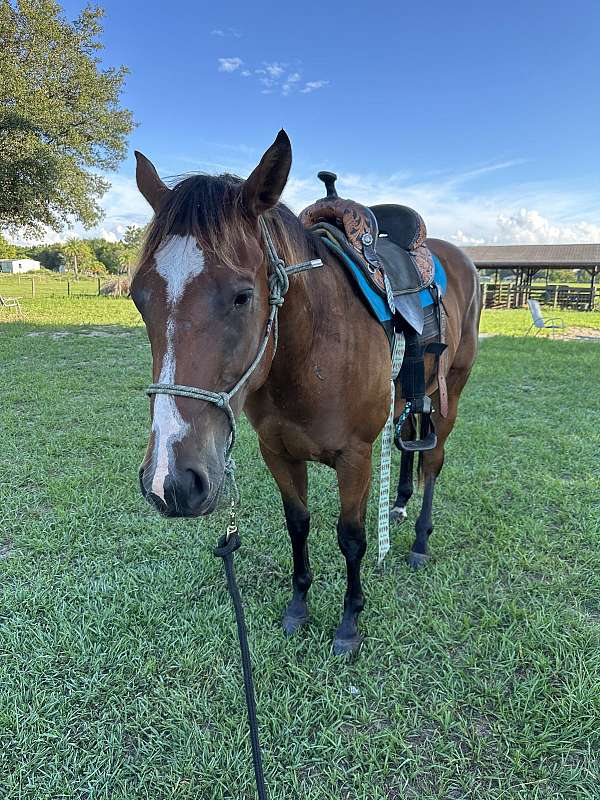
x: 308, y: 318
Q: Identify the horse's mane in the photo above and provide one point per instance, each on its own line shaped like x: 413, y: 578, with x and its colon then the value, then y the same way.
x: 209, y: 208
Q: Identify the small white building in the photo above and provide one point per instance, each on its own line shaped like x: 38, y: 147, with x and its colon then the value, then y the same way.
x: 18, y: 265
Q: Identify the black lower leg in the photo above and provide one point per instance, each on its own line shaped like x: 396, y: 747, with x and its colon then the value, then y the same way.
x: 424, y: 524
x: 405, y: 483
x: 298, y: 525
x: 352, y: 542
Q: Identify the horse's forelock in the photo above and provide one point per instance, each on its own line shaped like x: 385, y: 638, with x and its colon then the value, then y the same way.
x: 208, y: 207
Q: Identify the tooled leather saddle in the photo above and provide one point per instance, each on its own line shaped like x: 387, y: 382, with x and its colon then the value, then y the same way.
x: 387, y: 243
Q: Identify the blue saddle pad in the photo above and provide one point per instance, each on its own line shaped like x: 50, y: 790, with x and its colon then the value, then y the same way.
x: 378, y: 304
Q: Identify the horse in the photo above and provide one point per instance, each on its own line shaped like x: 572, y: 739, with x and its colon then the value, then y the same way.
x: 321, y: 394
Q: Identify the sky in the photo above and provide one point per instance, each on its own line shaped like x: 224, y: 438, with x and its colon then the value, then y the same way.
x: 484, y: 116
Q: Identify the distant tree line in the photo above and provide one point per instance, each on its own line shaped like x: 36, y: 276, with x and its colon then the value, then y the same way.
x: 85, y: 256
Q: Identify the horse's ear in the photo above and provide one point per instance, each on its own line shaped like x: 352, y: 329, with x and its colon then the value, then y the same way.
x: 148, y: 182
x: 263, y: 188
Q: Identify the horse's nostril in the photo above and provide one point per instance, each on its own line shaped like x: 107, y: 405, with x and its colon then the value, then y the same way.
x: 199, y: 486
x: 186, y: 492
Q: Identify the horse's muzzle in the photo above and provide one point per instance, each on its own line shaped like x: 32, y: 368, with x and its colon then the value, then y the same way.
x: 189, y: 493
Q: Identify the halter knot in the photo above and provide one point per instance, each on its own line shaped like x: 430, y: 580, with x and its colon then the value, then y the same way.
x: 223, y: 399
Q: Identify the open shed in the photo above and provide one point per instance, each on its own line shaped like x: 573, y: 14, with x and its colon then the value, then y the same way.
x: 527, y: 261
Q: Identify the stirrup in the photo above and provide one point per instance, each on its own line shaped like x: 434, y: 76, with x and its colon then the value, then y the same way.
x: 420, y: 409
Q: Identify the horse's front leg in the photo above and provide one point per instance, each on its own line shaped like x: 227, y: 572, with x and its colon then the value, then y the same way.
x: 292, y: 480
x: 354, y: 479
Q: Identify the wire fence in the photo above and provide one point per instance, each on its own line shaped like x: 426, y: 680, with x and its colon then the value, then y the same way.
x: 31, y: 286
x: 511, y: 295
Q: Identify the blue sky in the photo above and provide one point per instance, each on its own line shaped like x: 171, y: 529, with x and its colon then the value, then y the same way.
x: 484, y: 116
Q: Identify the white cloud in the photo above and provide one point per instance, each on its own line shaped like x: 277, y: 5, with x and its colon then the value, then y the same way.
x: 271, y: 75
x: 224, y: 33
x: 229, y: 64
x: 312, y: 86
x: 274, y: 70
x: 530, y: 227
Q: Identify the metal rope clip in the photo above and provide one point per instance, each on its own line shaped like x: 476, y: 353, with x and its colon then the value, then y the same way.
x: 232, y: 527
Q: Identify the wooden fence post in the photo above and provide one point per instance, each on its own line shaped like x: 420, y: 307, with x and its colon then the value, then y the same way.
x: 98, y: 287
x: 68, y: 288
x: 32, y: 286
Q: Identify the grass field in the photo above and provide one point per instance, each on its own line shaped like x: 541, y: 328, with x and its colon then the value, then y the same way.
x: 119, y: 673
x: 45, y: 284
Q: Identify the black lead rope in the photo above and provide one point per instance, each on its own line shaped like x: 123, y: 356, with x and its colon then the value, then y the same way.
x: 228, y: 544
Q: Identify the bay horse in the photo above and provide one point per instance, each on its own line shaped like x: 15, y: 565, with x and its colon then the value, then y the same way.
x: 202, y: 288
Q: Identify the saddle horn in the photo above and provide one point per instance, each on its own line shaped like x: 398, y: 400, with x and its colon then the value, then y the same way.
x: 329, y: 179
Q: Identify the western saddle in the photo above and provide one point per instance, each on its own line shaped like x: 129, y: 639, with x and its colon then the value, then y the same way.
x: 387, y: 243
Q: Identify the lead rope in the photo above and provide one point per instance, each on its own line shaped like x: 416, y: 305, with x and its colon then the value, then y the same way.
x: 227, y: 545
x: 279, y: 283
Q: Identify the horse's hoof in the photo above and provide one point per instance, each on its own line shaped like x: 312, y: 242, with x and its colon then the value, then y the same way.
x: 417, y: 560
x: 398, y: 514
x: 347, y: 647
x: 291, y: 624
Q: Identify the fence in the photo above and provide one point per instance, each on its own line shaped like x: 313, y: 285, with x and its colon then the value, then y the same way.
x: 27, y: 286
x: 512, y: 295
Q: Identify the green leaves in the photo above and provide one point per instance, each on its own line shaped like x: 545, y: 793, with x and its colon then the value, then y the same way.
x: 59, y: 116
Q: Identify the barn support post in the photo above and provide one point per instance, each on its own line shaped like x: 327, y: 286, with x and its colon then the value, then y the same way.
x: 593, y: 273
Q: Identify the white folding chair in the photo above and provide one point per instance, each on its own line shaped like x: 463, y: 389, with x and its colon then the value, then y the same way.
x: 539, y: 323
x: 12, y: 303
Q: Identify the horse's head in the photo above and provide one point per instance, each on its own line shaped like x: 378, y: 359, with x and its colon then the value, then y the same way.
x: 202, y: 290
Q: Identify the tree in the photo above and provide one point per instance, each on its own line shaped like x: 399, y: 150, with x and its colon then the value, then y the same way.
x: 109, y: 254
x: 59, y: 116
x: 80, y: 256
x: 132, y: 241
x: 7, y: 250
x: 50, y: 256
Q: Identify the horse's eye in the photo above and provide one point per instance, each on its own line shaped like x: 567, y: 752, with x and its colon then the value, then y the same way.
x: 243, y: 298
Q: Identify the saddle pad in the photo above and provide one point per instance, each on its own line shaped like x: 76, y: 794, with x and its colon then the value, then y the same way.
x: 439, y: 279
x: 377, y: 304
x: 374, y: 301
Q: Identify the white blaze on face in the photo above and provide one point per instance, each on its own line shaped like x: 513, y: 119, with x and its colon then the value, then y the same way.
x: 178, y: 261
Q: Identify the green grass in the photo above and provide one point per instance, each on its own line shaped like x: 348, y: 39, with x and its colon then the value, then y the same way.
x: 515, y: 322
x: 119, y: 676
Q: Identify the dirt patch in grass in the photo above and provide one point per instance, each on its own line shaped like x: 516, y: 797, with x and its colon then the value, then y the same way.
x: 99, y: 333
x: 6, y: 548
